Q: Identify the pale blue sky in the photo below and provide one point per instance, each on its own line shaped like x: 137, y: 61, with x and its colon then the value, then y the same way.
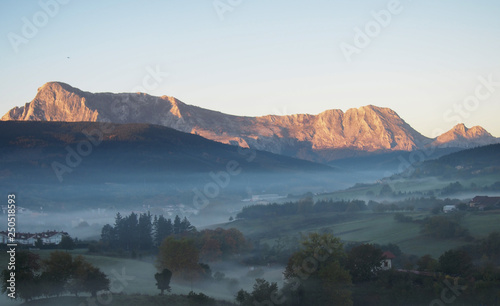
x: 265, y: 57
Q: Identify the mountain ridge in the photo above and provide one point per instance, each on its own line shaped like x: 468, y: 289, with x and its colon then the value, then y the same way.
x: 329, y: 135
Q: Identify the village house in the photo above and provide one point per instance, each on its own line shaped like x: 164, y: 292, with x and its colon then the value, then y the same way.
x: 485, y: 202
x: 48, y: 237
x: 449, y: 208
x: 387, y: 261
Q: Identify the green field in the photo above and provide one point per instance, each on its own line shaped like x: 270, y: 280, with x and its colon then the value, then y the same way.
x: 368, y: 227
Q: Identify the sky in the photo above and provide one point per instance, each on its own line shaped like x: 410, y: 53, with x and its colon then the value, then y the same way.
x: 436, y: 63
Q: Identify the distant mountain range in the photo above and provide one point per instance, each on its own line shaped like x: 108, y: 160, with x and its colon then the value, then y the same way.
x: 327, y: 136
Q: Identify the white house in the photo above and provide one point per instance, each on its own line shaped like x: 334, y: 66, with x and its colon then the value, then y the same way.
x: 387, y: 261
x: 49, y: 237
x: 449, y: 208
x: 52, y: 237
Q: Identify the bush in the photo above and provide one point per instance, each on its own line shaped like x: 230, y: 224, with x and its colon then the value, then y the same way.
x: 200, y: 299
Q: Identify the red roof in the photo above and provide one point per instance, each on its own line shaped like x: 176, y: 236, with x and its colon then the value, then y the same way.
x: 388, y: 255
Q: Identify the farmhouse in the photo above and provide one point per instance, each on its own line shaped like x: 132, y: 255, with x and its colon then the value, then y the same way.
x: 484, y: 202
x: 449, y: 208
x: 387, y: 261
x: 48, y: 237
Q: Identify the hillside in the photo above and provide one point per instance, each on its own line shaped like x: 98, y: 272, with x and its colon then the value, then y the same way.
x: 330, y: 135
x: 463, y: 164
x: 124, y: 148
x: 55, y: 165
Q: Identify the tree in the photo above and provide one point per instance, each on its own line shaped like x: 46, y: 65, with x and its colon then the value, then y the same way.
x: 145, y: 230
x: 443, y: 227
x: 455, y: 262
x: 57, y: 270
x: 108, y: 236
x: 177, y: 225
x: 131, y: 232
x: 95, y: 280
x: 386, y: 191
x: 427, y: 263
x: 120, y: 231
x: 363, y: 262
x: 26, y: 276
x: 86, y: 278
x: 163, y: 280
x: 262, y: 291
x: 162, y: 229
x: 179, y: 256
x: 67, y: 243
x: 185, y: 226
x: 315, y: 274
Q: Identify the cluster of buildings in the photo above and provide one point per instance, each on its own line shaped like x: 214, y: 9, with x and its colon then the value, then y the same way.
x: 479, y: 203
x: 48, y: 237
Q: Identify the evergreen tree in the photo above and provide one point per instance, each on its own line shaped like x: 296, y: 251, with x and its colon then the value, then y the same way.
x: 145, y: 231
x: 131, y: 232
x: 108, y: 236
x: 185, y: 226
x: 163, y: 229
x: 177, y: 225
x: 120, y: 231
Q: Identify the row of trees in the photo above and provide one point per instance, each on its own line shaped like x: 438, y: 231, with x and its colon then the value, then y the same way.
x: 142, y: 232
x: 304, y: 206
x: 59, y: 274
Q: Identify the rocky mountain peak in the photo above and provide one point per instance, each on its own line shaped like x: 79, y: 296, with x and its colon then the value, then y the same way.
x: 329, y: 135
x: 462, y: 137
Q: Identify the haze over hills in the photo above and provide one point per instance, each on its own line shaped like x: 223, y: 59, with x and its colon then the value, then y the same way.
x: 109, y: 149
x: 89, y: 164
x: 327, y: 136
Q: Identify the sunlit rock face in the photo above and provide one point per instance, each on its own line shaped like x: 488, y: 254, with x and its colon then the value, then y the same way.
x: 329, y: 135
x: 462, y: 137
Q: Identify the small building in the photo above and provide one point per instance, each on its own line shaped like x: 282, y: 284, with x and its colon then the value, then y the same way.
x: 485, y: 202
x: 49, y: 237
x: 52, y: 237
x: 449, y: 208
x: 387, y: 261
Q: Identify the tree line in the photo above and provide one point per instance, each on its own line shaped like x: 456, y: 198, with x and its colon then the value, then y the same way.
x: 142, y: 232
x: 303, y: 206
x: 59, y: 274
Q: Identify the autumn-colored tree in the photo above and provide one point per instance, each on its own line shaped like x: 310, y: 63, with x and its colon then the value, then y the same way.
x: 211, y: 249
x: 220, y: 243
x: 179, y: 256
x: 57, y: 271
x: 427, y: 263
x: 86, y: 278
x: 315, y: 274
